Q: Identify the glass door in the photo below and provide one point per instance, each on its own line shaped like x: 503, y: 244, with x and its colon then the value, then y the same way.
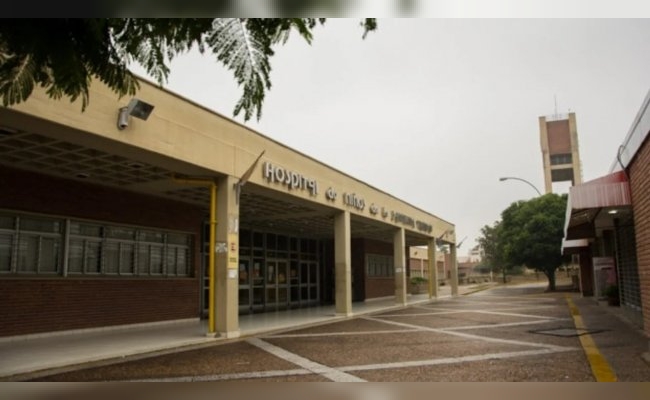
x: 257, y: 284
x: 304, y: 283
x: 308, y: 283
x: 283, y: 286
x: 313, y: 283
x: 294, y: 284
x: 245, y: 297
x: 271, y: 285
x: 257, y: 272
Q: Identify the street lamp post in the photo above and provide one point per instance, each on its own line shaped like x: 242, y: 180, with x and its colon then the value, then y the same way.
x: 505, y: 178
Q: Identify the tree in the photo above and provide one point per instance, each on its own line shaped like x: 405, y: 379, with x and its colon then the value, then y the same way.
x: 531, y: 234
x: 64, y: 55
x: 493, y: 250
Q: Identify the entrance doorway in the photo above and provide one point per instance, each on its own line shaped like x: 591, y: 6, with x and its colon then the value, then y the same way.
x: 276, y: 272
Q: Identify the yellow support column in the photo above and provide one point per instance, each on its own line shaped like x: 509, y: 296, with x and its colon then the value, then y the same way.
x: 212, y: 245
x: 212, y: 327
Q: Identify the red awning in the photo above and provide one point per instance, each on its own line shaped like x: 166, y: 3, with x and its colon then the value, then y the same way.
x: 586, y: 200
x: 608, y: 191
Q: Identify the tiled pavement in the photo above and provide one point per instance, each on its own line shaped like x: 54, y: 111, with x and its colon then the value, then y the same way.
x: 37, y: 355
x: 516, y: 333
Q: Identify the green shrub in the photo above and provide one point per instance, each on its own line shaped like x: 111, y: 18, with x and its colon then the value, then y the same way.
x: 417, y: 280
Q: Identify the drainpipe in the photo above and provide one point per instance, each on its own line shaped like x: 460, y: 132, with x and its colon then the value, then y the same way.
x: 212, y: 327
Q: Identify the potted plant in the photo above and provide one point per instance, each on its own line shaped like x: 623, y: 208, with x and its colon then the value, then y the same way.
x: 611, y: 292
x: 417, y: 284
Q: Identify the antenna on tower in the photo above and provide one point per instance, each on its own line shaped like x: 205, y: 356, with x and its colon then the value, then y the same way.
x: 555, y: 100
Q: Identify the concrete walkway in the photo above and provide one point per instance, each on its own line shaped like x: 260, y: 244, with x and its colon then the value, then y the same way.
x: 29, y: 357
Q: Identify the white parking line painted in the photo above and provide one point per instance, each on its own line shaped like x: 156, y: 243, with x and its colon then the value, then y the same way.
x: 401, y: 331
x: 505, y: 324
x: 454, y: 360
x: 514, y: 298
x: 531, y: 307
x: 514, y: 314
x: 476, y: 337
x: 422, y: 314
x: 496, y: 312
x: 332, y: 374
x: 341, y: 374
x: 328, y: 334
x: 227, y: 377
x: 499, y: 303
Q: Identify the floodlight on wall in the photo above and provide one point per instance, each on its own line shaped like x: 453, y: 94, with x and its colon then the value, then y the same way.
x: 137, y: 108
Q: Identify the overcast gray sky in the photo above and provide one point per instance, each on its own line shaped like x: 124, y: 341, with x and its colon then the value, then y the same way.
x: 434, y: 111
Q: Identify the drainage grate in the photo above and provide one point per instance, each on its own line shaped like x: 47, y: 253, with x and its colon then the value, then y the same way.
x: 567, y: 332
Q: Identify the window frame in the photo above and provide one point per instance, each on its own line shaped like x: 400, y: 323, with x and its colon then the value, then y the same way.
x: 110, y: 249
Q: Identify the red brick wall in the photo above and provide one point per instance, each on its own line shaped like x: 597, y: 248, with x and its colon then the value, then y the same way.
x: 559, y: 137
x: 34, y: 304
x: 46, y: 305
x: 378, y: 287
x: 639, y: 172
x: 27, y: 191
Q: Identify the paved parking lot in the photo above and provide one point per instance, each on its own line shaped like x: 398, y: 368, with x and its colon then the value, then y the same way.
x: 499, y: 335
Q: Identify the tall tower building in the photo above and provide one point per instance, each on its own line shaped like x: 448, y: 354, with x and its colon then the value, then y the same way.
x: 559, y: 139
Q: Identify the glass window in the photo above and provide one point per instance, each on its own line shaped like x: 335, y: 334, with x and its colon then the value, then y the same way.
x: 92, y: 257
x: 243, y: 272
x: 28, y: 254
x: 244, y: 238
x: 150, y: 236
x: 271, y: 241
x: 6, y: 246
x: 258, y: 239
x: 120, y: 233
x: 283, y: 243
x: 75, y: 256
x: 182, y: 257
x: 379, y: 266
x: 258, y: 272
x: 7, y: 222
x: 80, y: 229
x: 176, y: 261
x: 156, y: 265
x: 143, y: 259
x: 170, y: 261
x: 49, y: 256
x: 112, y: 257
x: 33, y: 245
x: 39, y: 225
x: 557, y: 159
x: 177, y: 238
x: 127, y: 263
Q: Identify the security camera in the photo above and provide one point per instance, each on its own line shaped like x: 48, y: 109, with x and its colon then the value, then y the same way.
x: 123, y: 118
x: 137, y: 108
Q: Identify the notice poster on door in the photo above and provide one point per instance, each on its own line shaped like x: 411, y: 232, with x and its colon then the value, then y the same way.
x: 604, y: 274
x: 233, y: 251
